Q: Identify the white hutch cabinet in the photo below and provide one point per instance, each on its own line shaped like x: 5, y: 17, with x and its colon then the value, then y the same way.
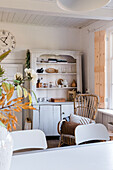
x: 48, y: 113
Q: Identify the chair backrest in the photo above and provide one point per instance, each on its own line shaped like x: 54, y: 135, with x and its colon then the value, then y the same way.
x: 28, y: 139
x: 91, y: 132
x: 86, y: 105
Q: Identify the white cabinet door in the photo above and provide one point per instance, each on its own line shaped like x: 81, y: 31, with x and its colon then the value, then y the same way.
x: 67, y: 110
x: 10, y: 70
x: 48, y: 119
x: 56, y: 119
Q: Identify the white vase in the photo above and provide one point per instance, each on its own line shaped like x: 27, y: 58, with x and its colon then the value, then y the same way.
x: 6, y: 148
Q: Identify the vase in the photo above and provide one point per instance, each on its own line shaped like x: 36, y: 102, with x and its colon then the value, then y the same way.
x: 73, y: 84
x: 6, y: 148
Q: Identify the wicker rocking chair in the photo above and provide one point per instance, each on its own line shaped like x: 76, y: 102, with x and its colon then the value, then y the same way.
x: 85, y: 105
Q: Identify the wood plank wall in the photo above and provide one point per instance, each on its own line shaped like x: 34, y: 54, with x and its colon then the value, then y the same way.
x: 99, y: 69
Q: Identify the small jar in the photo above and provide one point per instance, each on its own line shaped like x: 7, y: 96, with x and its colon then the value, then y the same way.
x: 50, y: 84
x: 45, y: 85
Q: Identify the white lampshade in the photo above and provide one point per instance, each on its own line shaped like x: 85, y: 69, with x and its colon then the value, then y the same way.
x: 81, y: 5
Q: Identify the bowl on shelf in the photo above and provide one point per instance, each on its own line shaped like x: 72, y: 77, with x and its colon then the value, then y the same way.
x: 51, y: 70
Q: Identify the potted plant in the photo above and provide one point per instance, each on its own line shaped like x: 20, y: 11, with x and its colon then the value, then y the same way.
x: 8, y: 107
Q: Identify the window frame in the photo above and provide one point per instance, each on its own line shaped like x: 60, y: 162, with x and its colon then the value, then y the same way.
x: 109, y: 83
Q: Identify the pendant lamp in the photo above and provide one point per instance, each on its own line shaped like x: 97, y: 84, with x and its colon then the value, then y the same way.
x: 81, y: 5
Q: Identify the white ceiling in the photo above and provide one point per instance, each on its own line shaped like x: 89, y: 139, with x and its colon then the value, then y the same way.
x: 47, y: 13
x: 21, y: 17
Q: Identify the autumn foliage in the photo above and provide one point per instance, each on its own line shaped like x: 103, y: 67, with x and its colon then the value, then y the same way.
x: 10, y: 105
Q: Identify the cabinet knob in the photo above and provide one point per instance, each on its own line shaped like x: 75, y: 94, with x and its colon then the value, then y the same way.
x: 63, y: 113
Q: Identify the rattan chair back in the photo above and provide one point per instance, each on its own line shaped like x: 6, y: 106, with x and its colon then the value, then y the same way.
x: 86, y: 105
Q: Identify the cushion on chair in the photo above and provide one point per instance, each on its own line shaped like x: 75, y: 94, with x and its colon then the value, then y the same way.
x: 80, y: 119
x: 69, y: 128
x: 75, y: 118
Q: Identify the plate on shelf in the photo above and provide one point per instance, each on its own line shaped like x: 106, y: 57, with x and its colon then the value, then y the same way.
x: 59, y: 82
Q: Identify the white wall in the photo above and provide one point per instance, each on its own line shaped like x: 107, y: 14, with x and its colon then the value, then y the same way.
x: 30, y: 37
x: 87, y: 46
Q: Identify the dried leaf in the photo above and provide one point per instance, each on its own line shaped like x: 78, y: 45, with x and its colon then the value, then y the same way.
x: 16, y: 99
x: 2, y: 99
x: 19, y: 91
x: 1, y: 124
x: 30, y: 99
x: 6, y: 121
x: 9, y: 103
x: 4, y: 55
x: 15, y: 118
x: 28, y: 107
x: 3, y: 104
x: 17, y: 107
x: 32, y: 108
x: 3, y: 121
x: 25, y: 92
x: 35, y: 96
x: 9, y: 127
x: 6, y: 110
x: 2, y: 116
x: 14, y: 126
x: 18, y: 102
x: 25, y: 107
x: 0, y: 91
x: 10, y: 94
x: 27, y: 103
x: 6, y: 87
x: 10, y: 116
x: 19, y: 98
x: 16, y: 110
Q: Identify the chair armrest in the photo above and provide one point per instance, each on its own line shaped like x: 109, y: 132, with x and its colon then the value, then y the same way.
x: 59, y: 125
x: 69, y: 128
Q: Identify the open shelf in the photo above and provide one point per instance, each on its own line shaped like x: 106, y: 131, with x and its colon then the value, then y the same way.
x: 57, y: 63
x: 56, y: 73
x: 56, y: 88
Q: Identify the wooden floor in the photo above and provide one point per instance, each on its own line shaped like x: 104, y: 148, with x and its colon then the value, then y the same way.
x: 52, y: 142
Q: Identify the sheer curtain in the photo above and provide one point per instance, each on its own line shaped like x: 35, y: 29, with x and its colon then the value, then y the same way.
x: 109, y: 70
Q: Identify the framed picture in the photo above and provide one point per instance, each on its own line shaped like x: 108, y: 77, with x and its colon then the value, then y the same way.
x: 71, y: 95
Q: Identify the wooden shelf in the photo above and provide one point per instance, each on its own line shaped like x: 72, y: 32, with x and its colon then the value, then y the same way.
x: 58, y: 63
x: 56, y: 73
x: 56, y: 88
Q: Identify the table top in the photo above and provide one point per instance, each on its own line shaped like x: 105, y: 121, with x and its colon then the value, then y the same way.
x: 97, y: 156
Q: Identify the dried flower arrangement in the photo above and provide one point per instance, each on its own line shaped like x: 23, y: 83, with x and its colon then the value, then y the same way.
x: 10, y: 105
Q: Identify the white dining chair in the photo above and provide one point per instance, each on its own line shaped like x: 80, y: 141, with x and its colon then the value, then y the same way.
x: 28, y: 139
x: 91, y: 132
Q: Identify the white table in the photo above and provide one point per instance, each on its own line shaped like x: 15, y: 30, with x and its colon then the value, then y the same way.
x: 88, y: 157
